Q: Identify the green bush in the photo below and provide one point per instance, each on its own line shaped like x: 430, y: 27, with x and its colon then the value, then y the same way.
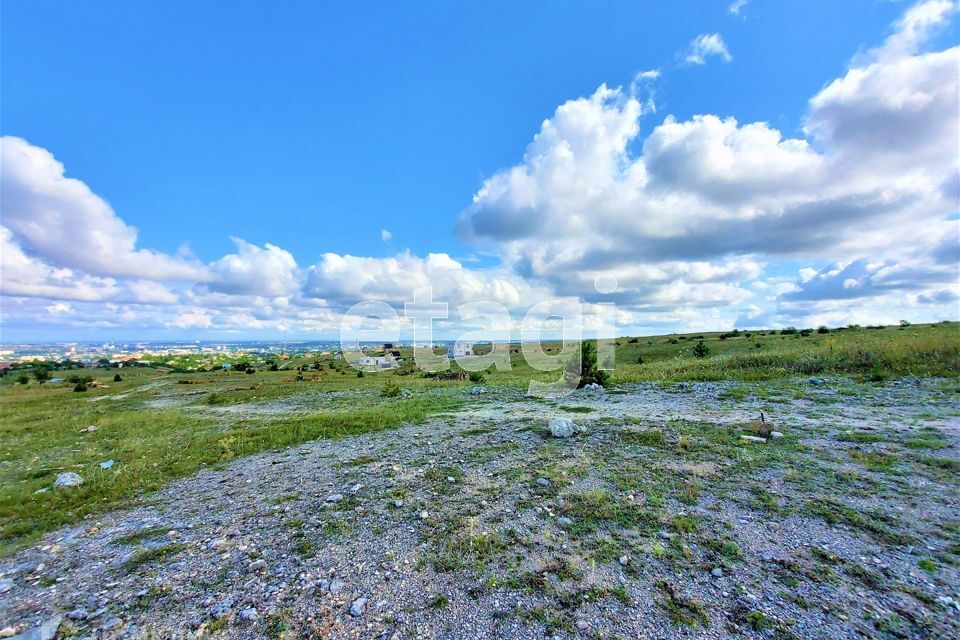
x: 582, y: 368
x: 390, y: 390
x: 477, y: 377
x: 701, y: 350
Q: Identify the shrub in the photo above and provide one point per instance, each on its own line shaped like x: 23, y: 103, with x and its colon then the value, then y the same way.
x: 701, y: 350
x: 390, y: 390
x: 42, y: 375
x: 477, y: 377
x: 360, y: 374
x: 117, y: 378
x: 789, y: 331
x: 23, y: 379
x: 823, y: 329
x: 80, y: 387
x: 582, y: 368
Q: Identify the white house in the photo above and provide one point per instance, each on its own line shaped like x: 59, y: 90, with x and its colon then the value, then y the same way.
x: 460, y: 349
x: 376, y: 362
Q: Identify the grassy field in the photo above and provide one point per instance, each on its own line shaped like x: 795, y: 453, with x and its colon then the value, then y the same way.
x: 159, y: 424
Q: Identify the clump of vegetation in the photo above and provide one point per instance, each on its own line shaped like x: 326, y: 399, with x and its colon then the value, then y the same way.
x: 682, y: 610
x: 390, y: 389
x: 646, y: 438
x: 701, y: 350
x: 477, y: 377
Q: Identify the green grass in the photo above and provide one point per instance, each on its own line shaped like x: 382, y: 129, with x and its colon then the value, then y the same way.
x: 41, y: 431
x: 161, y: 424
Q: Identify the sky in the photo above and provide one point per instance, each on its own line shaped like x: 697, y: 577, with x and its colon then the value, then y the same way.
x: 201, y: 171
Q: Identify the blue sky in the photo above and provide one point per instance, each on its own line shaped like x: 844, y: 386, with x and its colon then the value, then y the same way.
x: 313, y: 127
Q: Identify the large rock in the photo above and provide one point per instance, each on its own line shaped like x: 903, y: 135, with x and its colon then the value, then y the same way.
x: 562, y: 427
x: 358, y: 607
x: 46, y: 631
x: 68, y: 479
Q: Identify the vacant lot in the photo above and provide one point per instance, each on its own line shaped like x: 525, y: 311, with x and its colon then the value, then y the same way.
x: 257, y: 505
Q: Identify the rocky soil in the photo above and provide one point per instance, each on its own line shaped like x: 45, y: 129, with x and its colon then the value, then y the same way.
x: 653, y: 520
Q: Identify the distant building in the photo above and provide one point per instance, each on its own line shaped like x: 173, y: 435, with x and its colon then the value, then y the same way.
x: 377, y: 362
x: 460, y: 349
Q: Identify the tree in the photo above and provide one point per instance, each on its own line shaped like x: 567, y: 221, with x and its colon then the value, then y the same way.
x: 80, y: 387
x: 23, y: 379
x: 701, y: 350
x: 117, y: 378
x: 823, y: 329
x: 42, y: 375
x: 582, y: 368
x: 904, y: 323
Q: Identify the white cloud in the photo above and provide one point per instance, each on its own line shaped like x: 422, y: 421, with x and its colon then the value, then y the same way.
x: 914, y: 29
x: 65, y: 224
x: 269, y: 271
x: 705, y: 46
x: 693, y: 219
x: 736, y: 6
x: 877, y: 176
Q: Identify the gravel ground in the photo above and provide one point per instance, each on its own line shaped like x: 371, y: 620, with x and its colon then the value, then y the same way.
x: 653, y: 521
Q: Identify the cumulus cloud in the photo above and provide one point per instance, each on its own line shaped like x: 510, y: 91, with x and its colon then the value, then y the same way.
x: 346, y: 279
x: 705, y: 46
x: 61, y: 221
x: 268, y: 271
x: 692, y: 219
x: 875, y: 176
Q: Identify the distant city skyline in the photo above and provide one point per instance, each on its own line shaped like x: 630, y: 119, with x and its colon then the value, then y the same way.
x: 185, y: 172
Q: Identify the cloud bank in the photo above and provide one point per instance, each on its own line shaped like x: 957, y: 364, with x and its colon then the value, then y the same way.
x: 704, y: 222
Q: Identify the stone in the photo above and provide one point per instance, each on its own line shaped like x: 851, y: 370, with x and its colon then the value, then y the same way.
x: 406, y: 394
x: 336, y: 586
x: 398, y: 503
x: 111, y: 623
x: 756, y: 439
x: 221, y: 609
x: 564, y: 521
x: 248, y: 615
x: 776, y: 435
x: 91, y: 428
x: 106, y: 464
x: 8, y: 632
x: 593, y: 387
x: 78, y: 614
x: 716, y: 572
x: 816, y: 381
x: 335, y: 497
x: 46, y: 631
x: 256, y: 565
x: 357, y: 607
x: 476, y: 391
x: 424, y: 515
x: 68, y: 479
x: 543, y: 482
x: 5, y: 585
x: 623, y: 560
x: 562, y: 427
